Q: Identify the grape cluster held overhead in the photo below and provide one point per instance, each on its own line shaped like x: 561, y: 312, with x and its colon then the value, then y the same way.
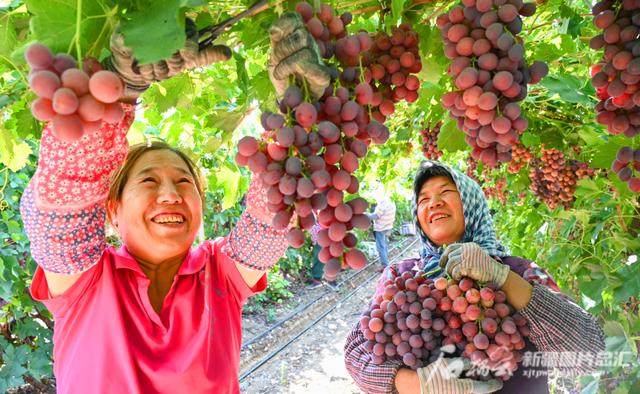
x: 70, y: 98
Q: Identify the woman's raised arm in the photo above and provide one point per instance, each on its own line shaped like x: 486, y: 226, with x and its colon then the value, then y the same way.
x: 63, y: 207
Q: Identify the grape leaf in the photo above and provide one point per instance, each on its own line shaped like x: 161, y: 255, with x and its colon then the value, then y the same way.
x: 161, y: 22
x: 589, y: 384
x: 54, y: 24
x: 22, y: 122
x: 450, y: 138
x: 631, y: 285
x: 568, y: 87
x: 606, y: 154
x: 397, y: 7
x: 617, y: 340
x: 13, y: 155
x: 229, y: 180
x: 529, y: 139
x: 592, y: 288
x: 241, y: 70
x: 226, y: 120
x: 171, y: 92
x: 546, y: 52
x: 590, y: 135
x: 254, y: 32
x: 263, y: 89
x: 7, y: 35
x: 11, y: 376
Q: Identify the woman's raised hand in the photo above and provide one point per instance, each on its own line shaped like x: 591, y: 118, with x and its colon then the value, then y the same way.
x: 294, y: 53
x: 469, y: 259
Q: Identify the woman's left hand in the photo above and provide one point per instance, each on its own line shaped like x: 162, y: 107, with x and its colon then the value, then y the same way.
x: 469, y: 259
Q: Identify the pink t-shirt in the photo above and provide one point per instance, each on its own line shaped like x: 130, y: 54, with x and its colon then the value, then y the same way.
x: 109, y: 339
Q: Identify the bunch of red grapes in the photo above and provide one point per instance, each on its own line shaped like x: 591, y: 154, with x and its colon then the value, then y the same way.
x: 490, y: 73
x: 73, y: 101
x: 498, y: 191
x: 382, y: 67
x: 520, y: 156
x: 430, y: 142
x: 389, y: 67
x: 626, y: 163
x: 554, y: 178
x: 617, y: 78
x: 329, y: 30
x: 309, y: 152
x: 414, y: 316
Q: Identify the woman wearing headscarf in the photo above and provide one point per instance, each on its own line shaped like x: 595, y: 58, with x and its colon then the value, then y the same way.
x: 456, y: 232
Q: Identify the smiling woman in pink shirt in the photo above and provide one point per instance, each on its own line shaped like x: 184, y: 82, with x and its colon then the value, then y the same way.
x: 157, y: 315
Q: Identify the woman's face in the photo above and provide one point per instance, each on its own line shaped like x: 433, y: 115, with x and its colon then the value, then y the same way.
x: 440, y: 211
x: 160, y: 211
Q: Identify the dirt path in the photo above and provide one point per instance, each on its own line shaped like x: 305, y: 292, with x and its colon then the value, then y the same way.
x: 313, y: 363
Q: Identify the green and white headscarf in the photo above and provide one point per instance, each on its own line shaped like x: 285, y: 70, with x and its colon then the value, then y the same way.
x: 479, y: 226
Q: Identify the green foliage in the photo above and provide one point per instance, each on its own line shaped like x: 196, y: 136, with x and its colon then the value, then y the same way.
x: 404, y: 210
x: 277, y: 291
x: 140, y: 28
x: 25, y: 325
x: 55, y: 24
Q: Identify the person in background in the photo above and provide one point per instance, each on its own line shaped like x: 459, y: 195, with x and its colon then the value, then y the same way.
x: 316, y: 264
x: 383, y: 217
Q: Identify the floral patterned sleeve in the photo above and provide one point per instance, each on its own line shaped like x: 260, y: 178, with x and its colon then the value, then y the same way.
x: 254, y: 243
x: 63, y: 207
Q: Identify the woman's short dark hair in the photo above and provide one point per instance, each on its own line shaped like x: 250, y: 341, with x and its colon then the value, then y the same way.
x: 426, y: 171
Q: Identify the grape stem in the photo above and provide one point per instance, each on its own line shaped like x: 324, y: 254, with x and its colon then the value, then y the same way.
x: 76, y: 38
x: 215, y: 30
x: 307, y: 97
x: 433, y: 271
